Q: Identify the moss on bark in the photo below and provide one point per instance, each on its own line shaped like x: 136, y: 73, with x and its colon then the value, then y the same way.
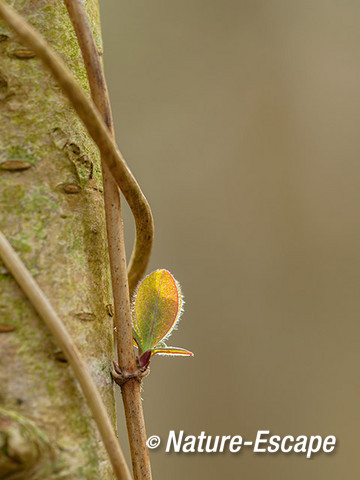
x: 51, y: 210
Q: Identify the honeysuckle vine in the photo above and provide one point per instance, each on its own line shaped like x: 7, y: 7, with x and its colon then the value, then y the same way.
x: 115, y: 235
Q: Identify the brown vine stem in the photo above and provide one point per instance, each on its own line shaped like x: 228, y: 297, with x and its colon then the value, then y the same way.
x: 131, y: 389
x: 101, y: 136
x: 43, y: 307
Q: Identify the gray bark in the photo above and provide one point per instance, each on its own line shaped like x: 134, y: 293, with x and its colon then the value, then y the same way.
x: 52, y: 212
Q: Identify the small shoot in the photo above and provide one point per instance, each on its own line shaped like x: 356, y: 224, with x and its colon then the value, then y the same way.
x: 157, y: 307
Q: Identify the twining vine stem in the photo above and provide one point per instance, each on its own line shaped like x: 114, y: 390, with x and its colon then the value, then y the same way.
x: 43, y: 307
x: 126, y: 358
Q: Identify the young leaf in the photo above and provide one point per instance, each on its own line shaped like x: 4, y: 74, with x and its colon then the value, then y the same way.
x: 171, y: 351
x: 156, y: 310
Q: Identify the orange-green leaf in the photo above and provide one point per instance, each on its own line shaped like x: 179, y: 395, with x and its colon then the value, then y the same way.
x: 156, y: 309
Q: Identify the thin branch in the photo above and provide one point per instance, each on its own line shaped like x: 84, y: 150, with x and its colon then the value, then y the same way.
x: 43, y: 307
x: 126, y: 357
x: 101, y: 136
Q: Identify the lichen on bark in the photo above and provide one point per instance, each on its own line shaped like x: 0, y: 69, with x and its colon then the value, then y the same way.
x: 51, y: 210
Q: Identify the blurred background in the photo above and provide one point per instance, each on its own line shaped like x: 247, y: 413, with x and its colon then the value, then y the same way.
x: 240, y: 120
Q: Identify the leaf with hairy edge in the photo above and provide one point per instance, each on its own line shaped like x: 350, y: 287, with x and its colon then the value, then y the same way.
x: 172, y: 351
x: 156, y: 310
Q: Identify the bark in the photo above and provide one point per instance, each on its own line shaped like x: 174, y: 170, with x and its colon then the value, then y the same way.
x: 52, y: 212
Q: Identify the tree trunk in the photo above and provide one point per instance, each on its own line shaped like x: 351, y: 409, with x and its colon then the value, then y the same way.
x: 52, y: 212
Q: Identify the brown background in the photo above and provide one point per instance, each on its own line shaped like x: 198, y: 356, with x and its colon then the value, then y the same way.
x: 241, y: 120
